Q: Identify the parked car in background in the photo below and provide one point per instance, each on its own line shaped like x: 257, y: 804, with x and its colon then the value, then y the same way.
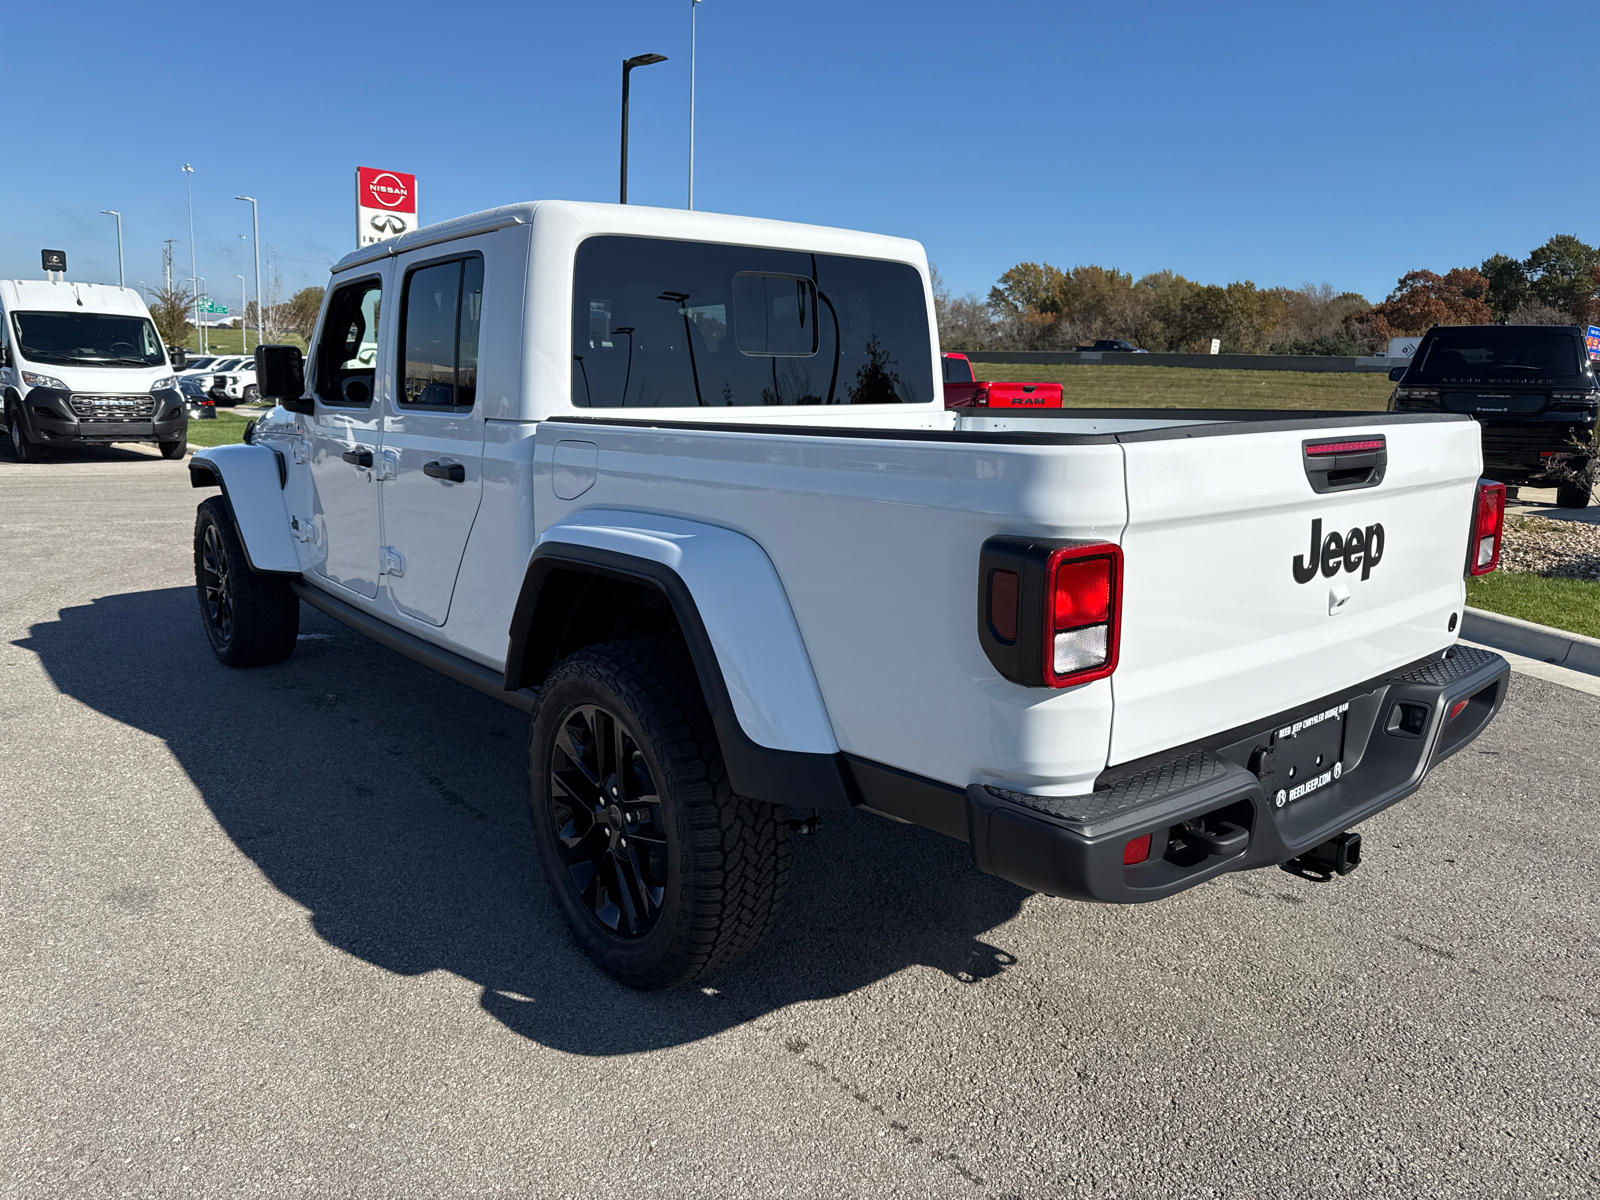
x: 234, y: 380
x: 1115, y: 345
x: 196, y: 364
x: 962, y: 390
x: 1531, y: 387
x: 196, y: 403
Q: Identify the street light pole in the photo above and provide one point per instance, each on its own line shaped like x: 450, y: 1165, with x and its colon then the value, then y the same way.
x: 122, y: 280
x: 188, y: 179
x: 693, y: 6
x: 255, y: 227
x: 244, y: 300
x: 628, y: 64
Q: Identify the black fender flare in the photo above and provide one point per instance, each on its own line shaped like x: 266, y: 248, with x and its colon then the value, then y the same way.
x: 790, y: 777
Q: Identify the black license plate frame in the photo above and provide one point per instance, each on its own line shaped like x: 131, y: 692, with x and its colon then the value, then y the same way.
x: 1308, y: 754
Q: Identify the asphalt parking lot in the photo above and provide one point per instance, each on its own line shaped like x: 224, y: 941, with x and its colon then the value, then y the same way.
x: 281, y: 933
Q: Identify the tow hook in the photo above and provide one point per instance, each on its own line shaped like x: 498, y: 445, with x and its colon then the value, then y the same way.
x: 1339, y: 855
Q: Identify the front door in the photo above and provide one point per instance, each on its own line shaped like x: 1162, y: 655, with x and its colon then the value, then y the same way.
x: 344, y: 433
x: 433, y: 433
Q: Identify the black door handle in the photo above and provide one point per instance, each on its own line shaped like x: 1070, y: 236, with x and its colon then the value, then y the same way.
x: 454, y: 472
x: 360, y: 457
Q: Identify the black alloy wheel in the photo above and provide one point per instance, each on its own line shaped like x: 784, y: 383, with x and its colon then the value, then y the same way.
x: 251, y: 618
x: 663, y: 872
x: 607, y: 816
x: 216, y: 594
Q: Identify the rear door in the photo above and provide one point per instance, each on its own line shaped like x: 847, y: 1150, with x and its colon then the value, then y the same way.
x: 1247, y: 593
x: 433, y: 429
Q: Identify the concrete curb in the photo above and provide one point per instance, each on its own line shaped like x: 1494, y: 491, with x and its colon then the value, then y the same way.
x: 1570, y: 650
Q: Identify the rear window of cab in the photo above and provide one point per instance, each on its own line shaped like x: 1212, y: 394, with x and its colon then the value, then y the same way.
x: 670, y: 324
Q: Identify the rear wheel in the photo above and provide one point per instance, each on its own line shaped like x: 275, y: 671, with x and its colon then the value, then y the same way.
x: 250, y: 619
x: 22, y: 446
x: 662, y: 871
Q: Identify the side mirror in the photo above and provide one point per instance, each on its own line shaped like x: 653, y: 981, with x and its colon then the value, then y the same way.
x: 1396, y: 374
x: 281, y: 377
x: 179, y: 358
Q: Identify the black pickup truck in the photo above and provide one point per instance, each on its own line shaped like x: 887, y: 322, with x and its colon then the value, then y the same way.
x: 1531, y: 387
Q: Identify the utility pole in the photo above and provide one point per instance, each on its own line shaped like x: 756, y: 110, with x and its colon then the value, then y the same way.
x: 166, y: 263
x: 122, y: 279
x: 188, y: 179
x: 255, y: 226
x: 693, y: 6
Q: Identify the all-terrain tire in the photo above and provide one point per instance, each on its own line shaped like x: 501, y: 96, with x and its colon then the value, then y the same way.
x: 23, y: 448
x: 708, y: 867
x: 175, y: 449
x: 250, y: 619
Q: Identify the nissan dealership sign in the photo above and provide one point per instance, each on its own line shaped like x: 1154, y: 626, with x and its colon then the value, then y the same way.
x: 386, y: 204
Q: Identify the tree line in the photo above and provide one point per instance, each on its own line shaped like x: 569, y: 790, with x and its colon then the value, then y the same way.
x: 1035, y: 306
x: 172, y: 309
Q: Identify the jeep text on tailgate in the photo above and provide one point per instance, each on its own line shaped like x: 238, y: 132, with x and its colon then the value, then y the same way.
x: 683, y: 487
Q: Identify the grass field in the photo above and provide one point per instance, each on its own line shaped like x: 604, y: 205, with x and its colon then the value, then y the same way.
x: 1570, y: 604
x: 228, y: 341
x: 1188, y: 387
x: 227, y: 428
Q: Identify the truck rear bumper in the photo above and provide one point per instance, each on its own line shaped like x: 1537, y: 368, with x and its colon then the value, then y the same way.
x: 1393, y: 736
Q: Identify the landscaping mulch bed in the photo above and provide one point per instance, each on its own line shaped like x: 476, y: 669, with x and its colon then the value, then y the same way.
x: 1565, y: 549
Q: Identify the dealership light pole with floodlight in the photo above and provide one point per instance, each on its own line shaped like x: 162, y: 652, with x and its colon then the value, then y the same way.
x: 628, y: 64
x: 255, y: 226
x: 122, y: 280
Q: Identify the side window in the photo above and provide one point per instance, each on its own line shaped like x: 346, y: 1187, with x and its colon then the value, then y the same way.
x: 439, y: 323
x: 347, y: 353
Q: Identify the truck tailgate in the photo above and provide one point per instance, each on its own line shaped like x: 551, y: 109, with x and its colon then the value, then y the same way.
x: 1219, y: 631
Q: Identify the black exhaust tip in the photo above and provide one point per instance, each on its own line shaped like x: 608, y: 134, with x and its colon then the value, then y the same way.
x: 1339, y: 855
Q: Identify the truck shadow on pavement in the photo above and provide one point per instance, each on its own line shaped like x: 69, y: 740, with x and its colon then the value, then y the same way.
x: 392, y: 803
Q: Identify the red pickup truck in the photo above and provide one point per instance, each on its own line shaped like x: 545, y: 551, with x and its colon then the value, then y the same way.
x: 961, y: 390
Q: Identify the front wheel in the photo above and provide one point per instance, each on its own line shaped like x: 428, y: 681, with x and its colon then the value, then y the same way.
x: 251, y: 619
x: 252, y: 394
x: 663, y: 872
x: 175, y: 449
x: 25, y: 448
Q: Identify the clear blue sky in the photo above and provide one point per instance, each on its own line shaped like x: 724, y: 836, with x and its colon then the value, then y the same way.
x: 1283, y: 143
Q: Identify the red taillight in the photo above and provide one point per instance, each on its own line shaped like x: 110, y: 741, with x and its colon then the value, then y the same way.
x: 1488, y: 523
x: 1361, y: 446
x: 1136, y: 851
x: 1083, y: 614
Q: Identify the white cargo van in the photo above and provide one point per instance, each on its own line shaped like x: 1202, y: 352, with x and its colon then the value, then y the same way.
x: 81, y: 364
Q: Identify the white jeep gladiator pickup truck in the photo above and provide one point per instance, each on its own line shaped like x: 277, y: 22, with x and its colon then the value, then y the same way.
x: 683, y: 487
